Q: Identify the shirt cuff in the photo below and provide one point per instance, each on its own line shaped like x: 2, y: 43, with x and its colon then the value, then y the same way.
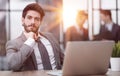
x: 30, y: 42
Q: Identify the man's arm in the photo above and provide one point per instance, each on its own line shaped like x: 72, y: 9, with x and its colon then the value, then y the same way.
x: 16, y: 55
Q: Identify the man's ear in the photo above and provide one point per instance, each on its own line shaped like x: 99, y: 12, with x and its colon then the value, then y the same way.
x: 22, y: 19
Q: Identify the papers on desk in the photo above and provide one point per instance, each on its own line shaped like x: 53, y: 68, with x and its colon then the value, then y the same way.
x: 55, y: 73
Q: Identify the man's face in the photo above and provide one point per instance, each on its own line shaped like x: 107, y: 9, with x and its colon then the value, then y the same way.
x: 81, y: 20
x: 32, y: 21
x: 103, y: 18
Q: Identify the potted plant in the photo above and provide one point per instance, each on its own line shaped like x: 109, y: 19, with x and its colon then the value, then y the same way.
x: 115, y: 59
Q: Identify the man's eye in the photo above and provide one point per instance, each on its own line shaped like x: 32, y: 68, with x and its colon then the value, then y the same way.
x: 29, y: 17
x: 37, y: 19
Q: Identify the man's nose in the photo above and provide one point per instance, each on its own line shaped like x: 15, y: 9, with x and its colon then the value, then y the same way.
x: 33, y: 21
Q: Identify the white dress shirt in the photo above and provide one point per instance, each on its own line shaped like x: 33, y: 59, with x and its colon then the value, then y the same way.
x: 31, y: 42
x: 109, y: 26
x: 80, y: 31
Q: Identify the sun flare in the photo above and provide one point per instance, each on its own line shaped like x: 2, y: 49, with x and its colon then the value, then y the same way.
x: 69, y: 16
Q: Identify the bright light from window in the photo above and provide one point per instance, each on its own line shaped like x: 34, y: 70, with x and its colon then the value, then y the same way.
x: 70, y: 8
x: 68, y: 17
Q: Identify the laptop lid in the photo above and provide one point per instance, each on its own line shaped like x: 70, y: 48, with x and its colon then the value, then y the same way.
x: 87, y: 57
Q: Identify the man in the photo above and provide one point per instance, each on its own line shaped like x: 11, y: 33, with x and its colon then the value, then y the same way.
x: 109, y: 30
x: 33, y: 50
x: 78, y: 32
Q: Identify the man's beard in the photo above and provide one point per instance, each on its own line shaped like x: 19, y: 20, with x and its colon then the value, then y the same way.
x: 32, y: 30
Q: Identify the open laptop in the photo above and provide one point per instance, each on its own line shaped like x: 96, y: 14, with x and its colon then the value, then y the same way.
x: 87, y: 57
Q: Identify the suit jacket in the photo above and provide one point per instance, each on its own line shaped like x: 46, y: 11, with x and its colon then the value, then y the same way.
x: 109, y: 35
x: 73, y: 35
x: 21, y: 57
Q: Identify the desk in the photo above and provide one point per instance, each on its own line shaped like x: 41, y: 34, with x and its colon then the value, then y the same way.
x: 24, y: 73
x: 113, y: 73
x: 44, y: 73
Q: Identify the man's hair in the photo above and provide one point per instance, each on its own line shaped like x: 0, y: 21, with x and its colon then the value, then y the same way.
x: 34, y: 7
x: 83, y: 13
x: 106, y: 12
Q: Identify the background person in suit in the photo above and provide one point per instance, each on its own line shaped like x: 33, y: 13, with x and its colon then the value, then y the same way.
x: 77, y: 32
x: 109, y: 30
x: 24, y: 52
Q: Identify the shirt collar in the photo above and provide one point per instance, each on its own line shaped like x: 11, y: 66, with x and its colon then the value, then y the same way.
x: 109, y: 26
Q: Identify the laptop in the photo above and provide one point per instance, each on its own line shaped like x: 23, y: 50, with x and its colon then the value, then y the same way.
x: 87, y: 57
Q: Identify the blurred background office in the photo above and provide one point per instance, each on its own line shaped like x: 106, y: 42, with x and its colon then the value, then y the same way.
x: 60, y: 15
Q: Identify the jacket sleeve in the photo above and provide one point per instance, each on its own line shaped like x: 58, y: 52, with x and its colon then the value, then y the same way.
x: 17, y: 55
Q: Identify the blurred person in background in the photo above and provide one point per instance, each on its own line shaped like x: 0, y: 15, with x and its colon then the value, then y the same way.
x: 78, y: 32
x: 108, y: 30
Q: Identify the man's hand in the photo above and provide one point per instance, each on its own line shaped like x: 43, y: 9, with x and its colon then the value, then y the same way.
x: 31, y: 35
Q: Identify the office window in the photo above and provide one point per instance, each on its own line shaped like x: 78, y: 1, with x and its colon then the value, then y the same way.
x: 114, y: 16
x: 108, y: 4
x: 19, y: 4
x: 96, y: 4
x: 96, y: 21
x: 16, y: 25
x: 119, y: 17
x: 112, y: 5
x: 118, y: 3
x: 3, y: 25
x: 16, y: 7
x: 70, y: 8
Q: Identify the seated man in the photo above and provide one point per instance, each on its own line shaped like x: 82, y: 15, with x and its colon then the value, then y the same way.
x: 33, y: 50
x: 110, y: 30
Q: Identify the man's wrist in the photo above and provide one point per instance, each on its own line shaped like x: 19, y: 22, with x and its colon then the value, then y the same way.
x: 30, y: 42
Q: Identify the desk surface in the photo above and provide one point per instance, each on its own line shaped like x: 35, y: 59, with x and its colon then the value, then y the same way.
x: 24, y: 73
x: 45, y: 73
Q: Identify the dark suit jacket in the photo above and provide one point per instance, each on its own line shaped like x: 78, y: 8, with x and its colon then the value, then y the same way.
x: 21, y: 57
x: 109, y: 35
x: 73, y: 35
